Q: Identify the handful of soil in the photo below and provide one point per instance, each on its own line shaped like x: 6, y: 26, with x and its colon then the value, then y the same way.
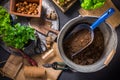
x: 89, y: 55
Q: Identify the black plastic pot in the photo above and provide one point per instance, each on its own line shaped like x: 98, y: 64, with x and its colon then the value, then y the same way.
x: 33, y: 47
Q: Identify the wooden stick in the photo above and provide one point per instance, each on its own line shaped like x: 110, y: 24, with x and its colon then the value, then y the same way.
x: 109, y: 57
x: 48, y: 55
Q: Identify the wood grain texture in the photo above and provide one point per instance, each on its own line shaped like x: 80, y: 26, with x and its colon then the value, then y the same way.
x: 114, y: 20
x: 12, y: 66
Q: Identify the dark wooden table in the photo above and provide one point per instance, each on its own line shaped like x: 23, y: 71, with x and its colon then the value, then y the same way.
x: 111, y: 72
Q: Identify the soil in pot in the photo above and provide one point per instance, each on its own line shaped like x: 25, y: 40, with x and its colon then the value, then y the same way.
x: 89, y: 55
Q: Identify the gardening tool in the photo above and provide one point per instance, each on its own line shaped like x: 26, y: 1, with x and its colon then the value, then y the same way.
x: 56, y: 66
x: 42, y: 26
x: 29, y: 59
x: 90, y: 29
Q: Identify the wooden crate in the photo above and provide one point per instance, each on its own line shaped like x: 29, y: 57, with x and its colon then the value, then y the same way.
x: 13, y: 8
x: 64, y: 9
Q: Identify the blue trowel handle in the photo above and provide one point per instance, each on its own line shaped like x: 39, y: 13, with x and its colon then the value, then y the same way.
x: 102, y: 18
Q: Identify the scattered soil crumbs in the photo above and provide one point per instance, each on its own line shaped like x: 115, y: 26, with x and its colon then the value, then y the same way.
x: 89, y: 55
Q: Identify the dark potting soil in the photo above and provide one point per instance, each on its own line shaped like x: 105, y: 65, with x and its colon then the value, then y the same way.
x: 89, y: 55
x: 77, y: 41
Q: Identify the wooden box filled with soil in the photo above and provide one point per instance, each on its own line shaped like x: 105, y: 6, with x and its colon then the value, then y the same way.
x: 89, y: 55
x: 27, y: 8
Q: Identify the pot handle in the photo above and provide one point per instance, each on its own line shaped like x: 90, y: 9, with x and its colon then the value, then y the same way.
x: 57, y: 66
x: 109, y: 57
x: 54, y: 31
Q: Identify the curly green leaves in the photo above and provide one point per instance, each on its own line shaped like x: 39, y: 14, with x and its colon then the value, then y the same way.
x: 92, y: 4
x: 16, y: 36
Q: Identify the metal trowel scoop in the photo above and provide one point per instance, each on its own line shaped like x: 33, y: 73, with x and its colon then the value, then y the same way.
x: 89, y: 28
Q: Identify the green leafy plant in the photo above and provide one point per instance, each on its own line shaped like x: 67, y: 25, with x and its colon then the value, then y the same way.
x: 17, y: 35
x: 92, y: 4
x: 5, y: 22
